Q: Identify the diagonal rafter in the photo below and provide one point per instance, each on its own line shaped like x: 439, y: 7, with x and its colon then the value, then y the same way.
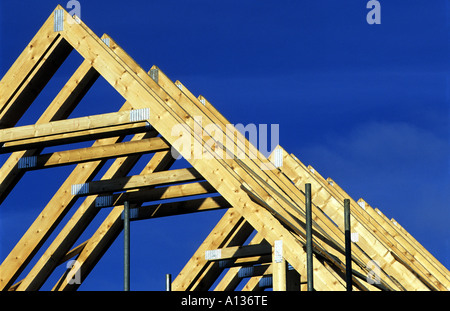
x: 73, y: 229
x: 60, y: 108
x: 30, y: 73
x: 108, y: 231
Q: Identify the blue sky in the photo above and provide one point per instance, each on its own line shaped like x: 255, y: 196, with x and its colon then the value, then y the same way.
x: 367, y: 105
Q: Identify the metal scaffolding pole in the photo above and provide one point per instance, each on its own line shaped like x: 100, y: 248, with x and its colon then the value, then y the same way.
x: 168, y: 282
x: 348, y: 246
x: 126, y: 246
x: 309, y: 253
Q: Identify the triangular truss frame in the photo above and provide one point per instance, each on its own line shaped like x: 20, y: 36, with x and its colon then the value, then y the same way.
x: 260, y: 195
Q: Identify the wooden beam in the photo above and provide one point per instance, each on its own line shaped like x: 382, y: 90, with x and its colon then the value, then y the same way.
x: 73, y: 252
x: 407, y: 253
x: 284, y: 279
x: 44, y: 224
x: 76, y: 137
x: 136, y: 147
x: 60, y: 108
x: 93, y: 251
x: 199, y: 273
x: 54, y: 128
x: 232, y: 279
x: 419, y: 246
x: 181, y: 207
x: 30, y: 72
x: 239, y: 252
x: 260, y: 270
x: 202, y: 99
x: 108, y: 230
x: 238, y: 173
x: 246, y: 261
x: 253, y: 284
x: 161, y: 193
x: 137, y: 181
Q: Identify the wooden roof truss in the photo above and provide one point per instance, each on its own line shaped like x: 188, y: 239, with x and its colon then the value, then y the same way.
x: 260, y: 240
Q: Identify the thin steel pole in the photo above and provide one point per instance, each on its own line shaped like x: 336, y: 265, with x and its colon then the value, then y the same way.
x: 168, y: 282
x: 309, y: 253
x: 126, y: 246
x: 348, y: 246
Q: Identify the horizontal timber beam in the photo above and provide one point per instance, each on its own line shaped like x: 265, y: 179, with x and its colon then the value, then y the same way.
x: 137, y: 181
x: 78, y: 136
x: 245, y: 261
x: 105, y: 152
x: 73, y: 125
x: 248, y: 272
x: 153, y: 194
x: 261, y: 249
x: 180, y: 208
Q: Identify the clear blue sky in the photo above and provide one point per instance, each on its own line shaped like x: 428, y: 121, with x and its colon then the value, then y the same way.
x: 367, y: 105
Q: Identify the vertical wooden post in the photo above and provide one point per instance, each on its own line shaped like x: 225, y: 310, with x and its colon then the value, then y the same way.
x: 279, y: 270
x: 283, y: 278
x: 278, y: 267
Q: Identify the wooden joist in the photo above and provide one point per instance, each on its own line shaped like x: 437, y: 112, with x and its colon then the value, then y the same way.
x: 59, y: 158
x: 239, y: 252
x: 154, y: 194
x: 137, y: 181
x: 73, y: 130
x: 180, y: 208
